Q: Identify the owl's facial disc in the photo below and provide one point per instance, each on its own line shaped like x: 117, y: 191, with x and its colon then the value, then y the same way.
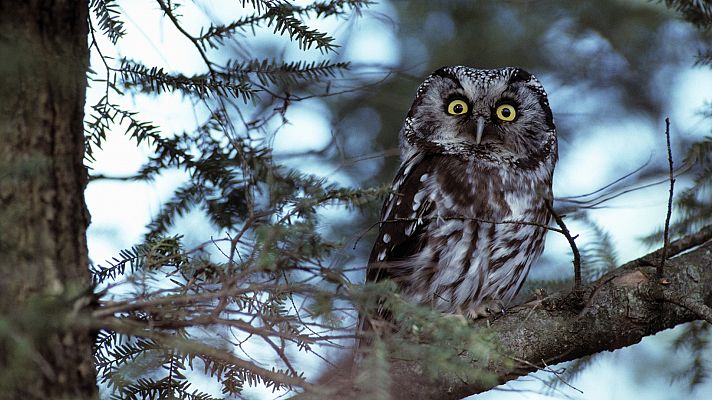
x: 495, y: 114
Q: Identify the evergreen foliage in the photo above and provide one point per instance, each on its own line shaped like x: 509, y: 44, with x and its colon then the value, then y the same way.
x: 169, y: 313
x: 181, y: 311
x: 279, y: 282
x: 108, y: 18
x: 695, y: 340
x: 697, y: 12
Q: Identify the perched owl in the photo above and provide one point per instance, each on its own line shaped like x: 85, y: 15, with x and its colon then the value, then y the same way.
x: 478, y: 150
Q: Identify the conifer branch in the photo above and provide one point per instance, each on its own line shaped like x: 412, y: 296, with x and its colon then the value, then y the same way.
x: 107, y: 12
x: 271, y: 72
x: 156, y: 80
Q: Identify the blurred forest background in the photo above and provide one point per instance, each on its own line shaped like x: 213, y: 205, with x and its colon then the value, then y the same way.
x: 613, y: 69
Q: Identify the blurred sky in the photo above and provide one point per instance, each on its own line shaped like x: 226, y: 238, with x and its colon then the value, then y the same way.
x: 120, y: 210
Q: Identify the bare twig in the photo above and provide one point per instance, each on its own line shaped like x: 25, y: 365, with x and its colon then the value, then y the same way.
x: 666, y: 236
x: 95, y: 44
x: 557, y: 374
x: 572, y: 242
x: 456, y: 218
x: 607, y: 186
x: 581, y: 202
x: 169, y: 13
x: 546, y: 368
x: 114, y: 178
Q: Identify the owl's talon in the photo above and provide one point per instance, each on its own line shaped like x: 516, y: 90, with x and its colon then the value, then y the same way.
x: 490, y: 308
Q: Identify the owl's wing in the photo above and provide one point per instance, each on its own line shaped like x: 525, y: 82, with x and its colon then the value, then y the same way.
x: 402, y: 225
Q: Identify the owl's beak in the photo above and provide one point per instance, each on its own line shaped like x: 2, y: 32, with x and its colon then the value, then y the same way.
x: 480, y: 128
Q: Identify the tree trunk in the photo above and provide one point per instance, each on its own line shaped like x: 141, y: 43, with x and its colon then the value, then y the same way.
x: 44, y: 282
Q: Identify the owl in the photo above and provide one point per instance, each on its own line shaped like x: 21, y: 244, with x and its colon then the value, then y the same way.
x: 467, y: 214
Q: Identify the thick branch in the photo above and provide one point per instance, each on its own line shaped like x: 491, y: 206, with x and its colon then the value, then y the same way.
x: 618, y: 310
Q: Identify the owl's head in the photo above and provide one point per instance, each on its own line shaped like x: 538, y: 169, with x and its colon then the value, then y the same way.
x: 498, y: 115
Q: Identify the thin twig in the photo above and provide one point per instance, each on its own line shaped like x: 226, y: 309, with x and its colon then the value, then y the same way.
x: 176, y: 23
x: 116, y: 178
x: 546, y: 368
x: 666, y: 235
x: 572, y: 242
x: 456, y: 218
x: 95, y: 44
x: 557, y: 374
x: 280, y: 352
x: 595, y: 202
x: 609, y: 185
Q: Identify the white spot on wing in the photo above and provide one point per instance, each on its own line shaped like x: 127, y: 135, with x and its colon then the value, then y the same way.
x: 407, y: 169
x: 382, y: 255
x: 417, y: 199
x: 386, y: 238
x: 409, y: 229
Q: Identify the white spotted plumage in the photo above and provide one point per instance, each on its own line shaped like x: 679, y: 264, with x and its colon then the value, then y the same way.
x: 451, y: 235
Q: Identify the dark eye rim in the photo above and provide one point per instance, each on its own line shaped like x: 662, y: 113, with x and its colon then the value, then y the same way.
x: 506, y: 101
x: 450, y: 99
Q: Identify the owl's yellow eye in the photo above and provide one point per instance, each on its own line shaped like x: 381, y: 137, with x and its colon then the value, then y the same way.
x: 506, y: 112
x: 457, y: 107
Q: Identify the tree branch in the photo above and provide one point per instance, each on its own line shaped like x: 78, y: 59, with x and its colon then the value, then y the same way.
x: 618, y: 310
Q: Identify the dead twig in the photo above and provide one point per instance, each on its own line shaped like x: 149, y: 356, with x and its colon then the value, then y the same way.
x: 666, y: 233
x: 558, y: 374
x: 451, y: 218
x: 546, y: 368
x: 572, y: 242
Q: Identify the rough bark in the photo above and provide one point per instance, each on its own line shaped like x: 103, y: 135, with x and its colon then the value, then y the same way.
x: 43, y: 218
x: 618, y: 310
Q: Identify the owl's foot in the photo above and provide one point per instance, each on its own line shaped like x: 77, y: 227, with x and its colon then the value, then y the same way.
x: 489, y: 308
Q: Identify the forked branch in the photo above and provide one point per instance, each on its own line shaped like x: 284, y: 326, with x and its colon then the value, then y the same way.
x: 572, y: 242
